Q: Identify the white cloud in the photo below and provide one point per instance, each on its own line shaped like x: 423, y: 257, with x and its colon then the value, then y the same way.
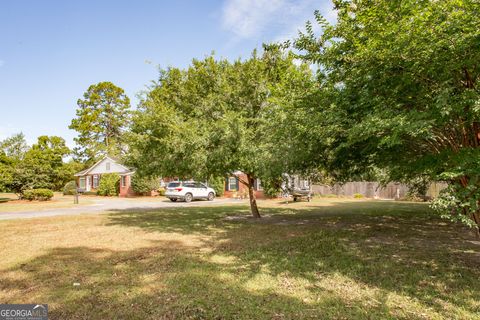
x: 254, y: 18
x: 246, y: 18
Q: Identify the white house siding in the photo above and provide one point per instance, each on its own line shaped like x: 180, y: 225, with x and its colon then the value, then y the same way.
x: 101, y: 168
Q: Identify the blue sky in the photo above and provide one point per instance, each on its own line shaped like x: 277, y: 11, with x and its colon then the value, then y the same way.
x: 51, y: 51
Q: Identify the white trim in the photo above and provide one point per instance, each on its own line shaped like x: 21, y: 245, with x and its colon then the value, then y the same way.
x: 85, y: 172
x: 129, y: 173
x: 88, y: 183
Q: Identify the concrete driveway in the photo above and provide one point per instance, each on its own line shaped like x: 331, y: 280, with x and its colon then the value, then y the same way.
x: 101, y: 205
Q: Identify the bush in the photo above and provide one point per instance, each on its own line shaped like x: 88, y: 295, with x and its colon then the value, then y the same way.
x: 217, y: 184
x: 109, y: 185
x: 143, y: 185
x: 161, y: 191
x: 38, y: 194
x: 70, y: 188
x: 417, y: 189
x: 358, y: 196
x: 272, y: 187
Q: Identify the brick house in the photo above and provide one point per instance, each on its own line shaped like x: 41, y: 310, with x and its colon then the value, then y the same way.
x: 235, y: 189
x: 89, y: 179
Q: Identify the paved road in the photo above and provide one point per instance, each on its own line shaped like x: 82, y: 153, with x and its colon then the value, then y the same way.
x: 100, y: 205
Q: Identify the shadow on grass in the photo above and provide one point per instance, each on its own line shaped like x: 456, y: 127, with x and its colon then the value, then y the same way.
x: 400, y: 248
x: 158, y: 282
x: 347, y: 260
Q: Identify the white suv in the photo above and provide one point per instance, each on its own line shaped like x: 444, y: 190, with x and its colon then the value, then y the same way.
x: 188, y: 191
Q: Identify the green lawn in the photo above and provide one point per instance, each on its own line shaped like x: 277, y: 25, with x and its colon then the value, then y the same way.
x: 328, y: 259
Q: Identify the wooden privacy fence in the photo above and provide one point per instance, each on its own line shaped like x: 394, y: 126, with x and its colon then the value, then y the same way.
x: 373, y: 189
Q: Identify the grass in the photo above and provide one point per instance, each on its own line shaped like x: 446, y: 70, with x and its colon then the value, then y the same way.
x: 57, y: 202
x: 327, y: 259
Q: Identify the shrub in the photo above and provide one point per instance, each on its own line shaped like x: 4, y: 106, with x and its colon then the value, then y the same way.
x: 417, y: 189
x: 272, y: 187
x: 358, y: 196
x: 144, y: 185
x: 109, y: 185
x: 38, y: 194
x: 161, y: 191
x: 70, y: 188
x: 217, y: 184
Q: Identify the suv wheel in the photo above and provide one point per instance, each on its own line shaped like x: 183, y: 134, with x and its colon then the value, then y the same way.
x: 211, y: 196
x: 173, y: 199
x: 188, y: 197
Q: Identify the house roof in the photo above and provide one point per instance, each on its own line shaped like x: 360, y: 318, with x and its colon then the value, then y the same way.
x: 86, y: 171
x: 81, y: 173
x: 128, y: 173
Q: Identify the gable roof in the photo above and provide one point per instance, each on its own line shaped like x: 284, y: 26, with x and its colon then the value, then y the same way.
x: 86, y: 171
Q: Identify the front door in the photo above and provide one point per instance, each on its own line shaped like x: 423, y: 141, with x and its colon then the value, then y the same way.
x: 89, y: 184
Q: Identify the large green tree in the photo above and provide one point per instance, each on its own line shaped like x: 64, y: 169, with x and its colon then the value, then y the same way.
x: 42, y: 166
x: 15, y: 146
x: 215, y: 118
x: 103, y: 115
x: 6, y: 166
x: 398, y: 90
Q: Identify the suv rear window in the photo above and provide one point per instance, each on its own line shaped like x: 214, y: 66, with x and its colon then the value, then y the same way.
x: 174, y: 184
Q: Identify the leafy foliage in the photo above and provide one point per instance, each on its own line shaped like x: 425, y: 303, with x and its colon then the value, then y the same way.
x: 70, y: 188
x: 15, y: 146
x: 42, y: 166
x: 217, y: 184
x: 102, y: 118
x: 397, y: 91
x: 38, y: 194
x: 143, y: 185
x: 5, y: 171
x: 109, y: 185
x: 217, y: 117
x: 272, y: 186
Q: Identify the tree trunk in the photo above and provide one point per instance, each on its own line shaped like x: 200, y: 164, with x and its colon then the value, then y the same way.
x: 251, y: 196
x: 476, y: 218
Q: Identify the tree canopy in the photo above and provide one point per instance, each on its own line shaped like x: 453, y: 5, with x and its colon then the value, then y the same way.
x: 398, y: 91
x: 216, y: 117
x: 15, y: 146
x: 39, y: 166
x: 103, y: 116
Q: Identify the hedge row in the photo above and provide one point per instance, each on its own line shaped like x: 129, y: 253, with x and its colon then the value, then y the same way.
x: 38, y: 194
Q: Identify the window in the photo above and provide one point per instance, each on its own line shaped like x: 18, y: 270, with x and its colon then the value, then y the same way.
x: 257, y: 185
x: 199, y: 185
x: 232, y: 184
x: 107, y: 166
x: 95, y: 181
x: 124, y: 181
x: 174, y: 185
x: 81, y: 183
